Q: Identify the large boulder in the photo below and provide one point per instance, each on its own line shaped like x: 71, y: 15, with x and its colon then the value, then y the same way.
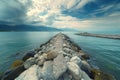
x: 86, y: 67
x: 47, y: 71
x: 33, y: 73
x: 12, y: 74
x: 16, y: 63
x: 76, y: 60
x: 51, y: 55
x: 59, y: 66
x: 28, y: 63
x: 75, y: 71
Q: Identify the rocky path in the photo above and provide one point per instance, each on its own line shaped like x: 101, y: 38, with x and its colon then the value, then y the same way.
x: 59, y: 42
x: 58, y: 59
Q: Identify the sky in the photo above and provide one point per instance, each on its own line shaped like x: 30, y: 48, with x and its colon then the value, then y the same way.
x: 79, y: 14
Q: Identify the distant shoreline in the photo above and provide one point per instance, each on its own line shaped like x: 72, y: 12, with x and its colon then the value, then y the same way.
x: 99, y: 35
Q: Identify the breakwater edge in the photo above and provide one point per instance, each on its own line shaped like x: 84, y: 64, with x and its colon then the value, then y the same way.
x: 57, y: 59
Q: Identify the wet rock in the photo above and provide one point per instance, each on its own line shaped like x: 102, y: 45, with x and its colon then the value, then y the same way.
x: 86, y: 67
x: 0, y: 76
x: 16, y: 64
x: 11, y: 75
x: 28, y: 55
x: 74, y: 70
x: 28, y: 63
x: 76, y: 60
x: 37, y: 50
x: 99, y: 75
x: 59, y: 66
x: 85, y: 56
x: 47, y: 71
x: 33, y: 73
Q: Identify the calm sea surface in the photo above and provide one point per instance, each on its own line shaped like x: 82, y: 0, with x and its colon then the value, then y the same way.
x: 105, y: 53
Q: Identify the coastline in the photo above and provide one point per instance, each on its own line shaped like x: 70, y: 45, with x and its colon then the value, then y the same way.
x: 99, y: 35
x: 69, y: 48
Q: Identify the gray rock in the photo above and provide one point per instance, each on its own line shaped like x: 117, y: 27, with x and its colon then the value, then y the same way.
x: 51, y: 54
x: 67, y: 59
x: 47, y: 71
x: 36, y: 56
x: 28, y: 55
x: 33, y: 73
x: 70, y: 51
x: 59, y: 66
x: 41, y: 59
x: 65, y: 54
x: 75, y: 71
x: 86, y: 67
x: 29, y: 62
x: 85, y: 76
x: 67, y: 76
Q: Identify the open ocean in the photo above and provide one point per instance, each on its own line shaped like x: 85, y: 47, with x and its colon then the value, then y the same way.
x: 105, y: 53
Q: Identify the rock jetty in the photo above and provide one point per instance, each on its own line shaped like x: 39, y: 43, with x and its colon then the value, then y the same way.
x: 57, y: 59
x: 99, y: 35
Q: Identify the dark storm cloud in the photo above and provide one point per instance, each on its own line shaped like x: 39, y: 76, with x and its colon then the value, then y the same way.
x: 12, y: 11
x: 61, y: 13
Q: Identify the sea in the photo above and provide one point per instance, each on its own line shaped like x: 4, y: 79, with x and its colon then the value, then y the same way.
x: 104, y: 53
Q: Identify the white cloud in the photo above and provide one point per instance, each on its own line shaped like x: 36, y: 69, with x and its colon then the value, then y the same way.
x: 71, y: 22
x: 47, y: 11
x: 83, y: 3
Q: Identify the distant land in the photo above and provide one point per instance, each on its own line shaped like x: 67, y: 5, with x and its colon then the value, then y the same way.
x: 99, y: 35
x: 4, y: 27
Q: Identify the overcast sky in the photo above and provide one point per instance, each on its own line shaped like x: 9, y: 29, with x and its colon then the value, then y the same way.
x: 82, y: 14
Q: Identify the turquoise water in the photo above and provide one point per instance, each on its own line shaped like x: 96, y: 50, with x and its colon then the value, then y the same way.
x: 105, y: 53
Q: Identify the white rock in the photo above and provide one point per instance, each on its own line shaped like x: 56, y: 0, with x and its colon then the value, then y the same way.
x: 75, y: 71
x: 33, y: 73
x: 64, y: 45
x: 39, y: 52
x: 59, y: 66
x: 36, y: 56
x: 41, y: 59
x: 76, y: 60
